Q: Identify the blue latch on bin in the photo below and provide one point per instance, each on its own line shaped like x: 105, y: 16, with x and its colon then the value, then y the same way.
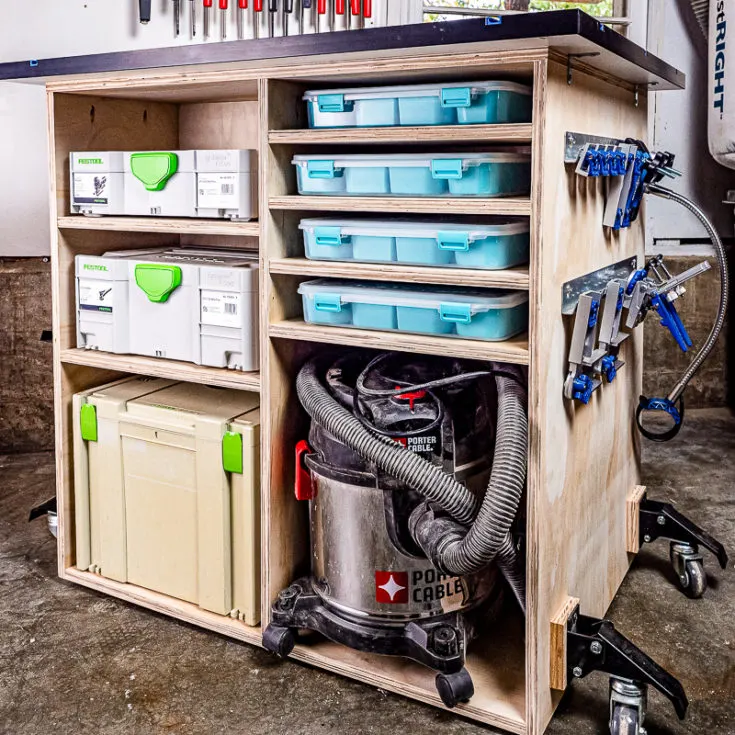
x: 453, y: 240
x: 459, y: 313
x: 333, y: 103
x: 320, y: 169
x: 446, y: 168
x: 331, y: 236
x: 328, y: 302
x: 456, y: 97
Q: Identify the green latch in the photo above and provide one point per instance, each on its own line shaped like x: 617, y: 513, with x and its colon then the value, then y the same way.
x: 232, y: 452
x: 88, y: 422
x: 157, y: 280
x: 154, y: 169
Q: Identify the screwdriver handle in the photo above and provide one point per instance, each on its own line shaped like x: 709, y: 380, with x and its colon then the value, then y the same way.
x: 207, y: 3
x: 258, y: 6
x: 355, y: 7
x: 367, y: 8
x: 223, y: 4
x: 273, y: 6
x: 144, y: 6
x: 339, y: 7
x: 321, y: 7
x: 306, y: 4
x: 242, y: 4
x: 288, y: 6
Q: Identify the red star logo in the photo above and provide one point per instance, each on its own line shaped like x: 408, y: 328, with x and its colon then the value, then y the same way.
x: 391, y: 587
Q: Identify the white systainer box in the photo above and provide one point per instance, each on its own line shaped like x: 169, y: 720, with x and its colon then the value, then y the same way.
x: 197, y: 183
x: 166, y: 491
x: 199, y: 306
x: 204, y: 183
x: 97, y: 182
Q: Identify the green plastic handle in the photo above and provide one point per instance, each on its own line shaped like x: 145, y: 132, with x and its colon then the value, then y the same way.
x: 157, y: 280
x: 153, y: 168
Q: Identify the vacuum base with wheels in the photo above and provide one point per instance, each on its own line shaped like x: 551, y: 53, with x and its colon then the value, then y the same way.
x: 437, y: 642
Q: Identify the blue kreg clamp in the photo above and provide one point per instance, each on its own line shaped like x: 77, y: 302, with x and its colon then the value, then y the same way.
x: 582, y: 389
x: 639, y: 275
x: 609, y: 369
x: 594, y: 312
x: 635, y: 196
x: 671, y: 320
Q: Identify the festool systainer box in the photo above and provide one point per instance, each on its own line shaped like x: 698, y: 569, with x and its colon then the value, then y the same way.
x: 166, y: 491
x: 199, y: 306
x: 205, y: 183
x: 97, y: 182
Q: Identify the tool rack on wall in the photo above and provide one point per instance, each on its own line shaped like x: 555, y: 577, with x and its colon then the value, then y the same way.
x: 583, y: 463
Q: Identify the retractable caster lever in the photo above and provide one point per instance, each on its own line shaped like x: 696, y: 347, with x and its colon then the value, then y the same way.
x: 595, y: 645
x: 662, y: 520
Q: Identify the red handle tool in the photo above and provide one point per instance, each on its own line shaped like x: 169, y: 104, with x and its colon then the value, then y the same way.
x: 339, y: 7
x: 367, y: 8
x: 355, y: 7
x: 321, y: 7
x: 223, y: 18
x: 207, y: 11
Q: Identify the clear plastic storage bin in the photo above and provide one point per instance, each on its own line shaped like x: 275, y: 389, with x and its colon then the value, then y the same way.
x: 490, y: 314
x: 494, y: 247
x: 420, y: 104
x: 415, y: 174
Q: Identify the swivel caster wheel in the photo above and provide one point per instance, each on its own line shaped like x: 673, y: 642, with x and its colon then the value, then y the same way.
x: 454, y: 688
x: 278, y: 640
x: 625, y: 720
x: 689, y: 568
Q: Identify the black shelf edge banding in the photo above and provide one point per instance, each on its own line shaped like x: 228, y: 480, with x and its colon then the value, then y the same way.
x: 551, y: 25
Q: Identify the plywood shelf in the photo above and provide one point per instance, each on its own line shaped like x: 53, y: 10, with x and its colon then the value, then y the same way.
x: 495, y: 662
x: 505, y: 206
x: 515, y: 278
x: 513, y: 351
x: 166, y: 605
x: 518, y: 134
x: 181, y: 226
x: 160, y: 368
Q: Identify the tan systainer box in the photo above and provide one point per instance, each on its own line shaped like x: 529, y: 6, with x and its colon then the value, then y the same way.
x: 166, y: 490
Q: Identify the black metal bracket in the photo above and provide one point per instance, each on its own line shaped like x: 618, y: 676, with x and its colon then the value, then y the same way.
x: 570, y: 68
x: 595, y: 645
x: 662, y: 520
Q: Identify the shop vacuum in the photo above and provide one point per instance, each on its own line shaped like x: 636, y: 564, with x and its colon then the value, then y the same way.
x: 415, y: 472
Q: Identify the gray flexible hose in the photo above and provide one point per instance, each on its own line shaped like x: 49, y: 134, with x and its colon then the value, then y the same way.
x: 449, y: 545
x: 406, y: 466
x: 455, y: 550
x: 714, y: 334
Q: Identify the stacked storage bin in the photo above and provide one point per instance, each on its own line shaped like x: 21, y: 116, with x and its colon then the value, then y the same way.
x: 167, y: 488
x: 489, y: 244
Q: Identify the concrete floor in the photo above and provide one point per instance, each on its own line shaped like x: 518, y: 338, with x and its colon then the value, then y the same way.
x: 73, y: 662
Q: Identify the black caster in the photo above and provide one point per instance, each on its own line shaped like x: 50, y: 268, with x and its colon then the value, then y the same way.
x: 454, y: 688
x: 278, y: 640
x: 689, y: 567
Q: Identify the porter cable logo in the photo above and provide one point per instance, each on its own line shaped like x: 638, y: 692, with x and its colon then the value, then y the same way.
x: 90, y: 267
x: 89, y: 160
x: 427, y: 585
x: 721, y: 43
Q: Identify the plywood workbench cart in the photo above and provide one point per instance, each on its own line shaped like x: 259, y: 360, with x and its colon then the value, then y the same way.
x: 583, y: 462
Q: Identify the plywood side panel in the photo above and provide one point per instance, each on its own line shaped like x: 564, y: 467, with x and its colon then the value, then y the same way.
x: 584, y: 459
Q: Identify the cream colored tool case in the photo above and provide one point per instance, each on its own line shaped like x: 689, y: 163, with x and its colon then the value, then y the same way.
x: 166, y: 489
